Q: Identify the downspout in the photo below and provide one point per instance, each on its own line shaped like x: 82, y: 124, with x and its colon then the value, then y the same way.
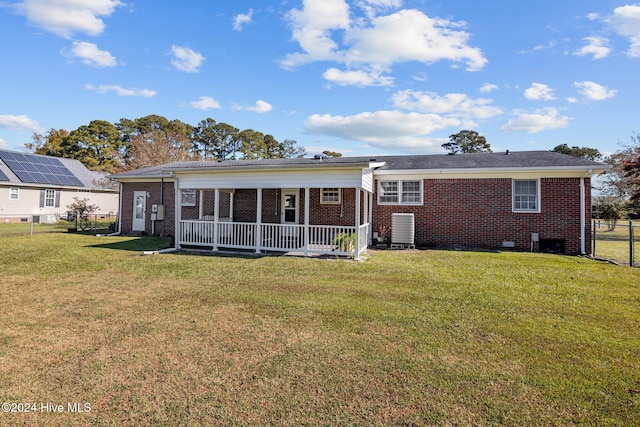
x: 583, y: 214
x: 164, y: 227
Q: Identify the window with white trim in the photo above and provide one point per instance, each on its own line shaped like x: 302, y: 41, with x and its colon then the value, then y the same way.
x: 330, y: 196
x: 526, y: 195
x: 188, y: 197
x: 400, y: 192
x: 14, y: 193
x: 49, y: 198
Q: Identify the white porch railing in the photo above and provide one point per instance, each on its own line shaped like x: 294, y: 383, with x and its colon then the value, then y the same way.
x: 312, y: 239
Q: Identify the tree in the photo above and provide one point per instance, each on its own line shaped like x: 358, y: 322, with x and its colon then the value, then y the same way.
x: 217, y: 140
x: 611, y: 210
x: 331, y: 153
x: 582, y: 152
x: 49, y: 144
x: 143, y: 125
x: 158, y: 146
x: 623, y: 179
x: 467, y: 141
x: 82, y: 210
x: 251, y: 144
x: 97, y: 145
x: 631, y: 170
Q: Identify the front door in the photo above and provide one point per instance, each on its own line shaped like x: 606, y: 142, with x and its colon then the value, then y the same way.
x: 290, y: 212
x: 139, y: 209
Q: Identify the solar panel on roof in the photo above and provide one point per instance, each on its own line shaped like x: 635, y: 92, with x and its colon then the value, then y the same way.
x: 3, y: 177
x: 39, y: 169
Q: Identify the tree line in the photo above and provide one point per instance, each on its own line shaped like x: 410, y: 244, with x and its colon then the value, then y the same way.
x: 152, y: 140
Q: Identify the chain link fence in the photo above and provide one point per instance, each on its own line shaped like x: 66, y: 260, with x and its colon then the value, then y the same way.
x: 617, y: 242
x: 21, y: 225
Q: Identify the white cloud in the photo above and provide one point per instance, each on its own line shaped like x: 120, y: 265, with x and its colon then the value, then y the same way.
x: 625, y: 21
x: 10, y: 121
x: 393, y: 130
x: 67, y: 17
x: 453, y: 104
x: 241, y: 19
x: 488, y: 87
x: 261, y: 107
x: 325, y: 31
x: 596, y: 46
x: 205, y: 103
x: 594, y: 91
x: 3, y: 143
x: 90, y: 54
x: 544, y: 119
x: 539, y: 91
x: 185, y: 59
x: 120, y: 91
x: 360, y: 78
x: 312, y: 27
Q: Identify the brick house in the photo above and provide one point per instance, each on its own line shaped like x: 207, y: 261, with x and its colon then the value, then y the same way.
x: 534, y: 200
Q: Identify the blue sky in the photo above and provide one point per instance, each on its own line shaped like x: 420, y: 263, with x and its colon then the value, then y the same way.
x: 358, y: 77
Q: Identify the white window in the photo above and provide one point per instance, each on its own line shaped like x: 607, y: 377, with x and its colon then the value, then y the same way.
x: 330, y: 196
x: 400, y: 192
x: 49, y: 198
x: 14, y: 193
x: 188, y: 198
x: 411, y: 192
x: 526, y: 195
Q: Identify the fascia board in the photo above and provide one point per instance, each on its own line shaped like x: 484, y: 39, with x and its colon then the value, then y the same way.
x: 279, y: 168
x: 144, y: 178
x: 572, y: 171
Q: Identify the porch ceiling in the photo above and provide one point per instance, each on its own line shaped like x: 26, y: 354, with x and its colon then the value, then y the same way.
x: 302, y: 178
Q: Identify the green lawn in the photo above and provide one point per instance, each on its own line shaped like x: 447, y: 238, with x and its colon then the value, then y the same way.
x: 403, y: 338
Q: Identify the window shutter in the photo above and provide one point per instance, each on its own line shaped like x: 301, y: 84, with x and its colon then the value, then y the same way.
x: 57, y: 199
x: 42, y: 198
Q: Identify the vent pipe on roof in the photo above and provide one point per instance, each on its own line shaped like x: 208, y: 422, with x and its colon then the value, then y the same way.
x: 507, y: 152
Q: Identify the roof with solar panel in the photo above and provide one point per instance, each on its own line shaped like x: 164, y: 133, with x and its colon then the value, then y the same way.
x: 34, y: 169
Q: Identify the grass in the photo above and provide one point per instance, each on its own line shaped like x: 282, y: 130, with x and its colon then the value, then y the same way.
x: 27, y: 228
x: 404, y: 338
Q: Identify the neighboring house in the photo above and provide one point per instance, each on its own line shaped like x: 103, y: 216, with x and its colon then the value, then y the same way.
x: 39, y: 188
x: 537, y: 200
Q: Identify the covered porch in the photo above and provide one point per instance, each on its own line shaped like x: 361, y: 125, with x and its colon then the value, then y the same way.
x: 310, y: 220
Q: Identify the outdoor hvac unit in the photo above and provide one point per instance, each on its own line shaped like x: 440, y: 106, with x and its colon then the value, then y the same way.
x: 402, y: 229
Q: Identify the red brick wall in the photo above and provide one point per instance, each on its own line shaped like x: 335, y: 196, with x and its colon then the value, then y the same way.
x: 478, y: 213
x: 473, y: 213
x: 167, y: 226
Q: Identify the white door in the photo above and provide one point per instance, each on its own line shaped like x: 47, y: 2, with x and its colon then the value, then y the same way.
x: 139, y: 210
x: 290, y: 212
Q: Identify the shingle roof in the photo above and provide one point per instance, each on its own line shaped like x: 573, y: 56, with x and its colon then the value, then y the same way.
x: 518, y: 159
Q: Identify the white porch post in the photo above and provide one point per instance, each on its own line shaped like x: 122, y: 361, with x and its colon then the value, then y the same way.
x: 357, y: 242
x: 201, y: 208
x: 231, y: 194
x: 370, y: 236
x: 216, y: 218
x: 306, y: 220
x: 178, y: 212
x: 258, y: 237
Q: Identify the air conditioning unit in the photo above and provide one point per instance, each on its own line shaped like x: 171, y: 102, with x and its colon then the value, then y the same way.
x: 44, y: 219
x: 402, y: 230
